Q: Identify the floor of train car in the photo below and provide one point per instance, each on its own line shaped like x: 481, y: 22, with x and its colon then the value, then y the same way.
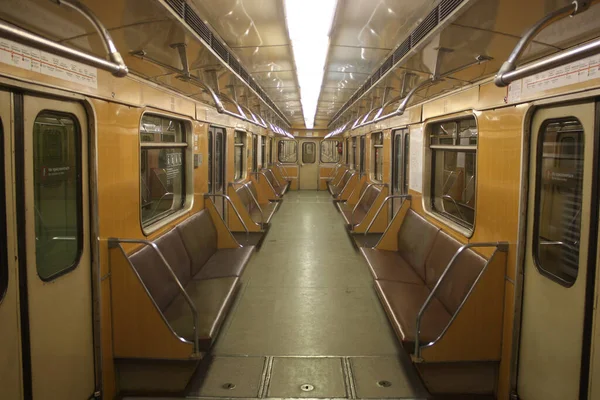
x: 307, y: 322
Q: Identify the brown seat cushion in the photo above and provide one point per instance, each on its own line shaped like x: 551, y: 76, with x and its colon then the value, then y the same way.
x: 389, y: 265
x: 213, y: 298
x: 402, y: 302
x: 415, y: 240
x: 462, y: 275
x: 199, y: 237
x: 268, y: 210
x: 226, y: 263
x: 153, y: 272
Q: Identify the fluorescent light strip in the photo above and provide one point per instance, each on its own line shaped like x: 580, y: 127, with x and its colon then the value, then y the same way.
x: 309, y: 23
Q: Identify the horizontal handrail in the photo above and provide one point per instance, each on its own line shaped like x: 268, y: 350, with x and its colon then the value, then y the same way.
x: 115, y: 66
x: 114, y: 242
x: 396, y: 196
x: 246, y: 186
x: 237, y: 213
x: 402, y: 107
x: 508, y: 72
x: 500, y: 246
x: 360, y: 199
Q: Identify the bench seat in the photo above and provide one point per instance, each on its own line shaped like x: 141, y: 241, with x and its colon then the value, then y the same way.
x: 279, y: 188
x: 337, y: 188
x: 246, y: 192
x: 213, y: 298
x: 365, y: 202
x: 390, y: 266
x: 209, y: 276
x: 402, y: 302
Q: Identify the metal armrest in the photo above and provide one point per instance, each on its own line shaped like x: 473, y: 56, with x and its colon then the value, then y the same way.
x: 116, y: 242
x: 237, y: 213
x: 397, y: 196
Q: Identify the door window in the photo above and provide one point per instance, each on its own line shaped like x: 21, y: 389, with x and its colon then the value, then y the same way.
x: 559, y: 193
x: 288, y: 151
x: 3, y: 227
x: 309, y: 153
x: 57, y: 193
x: 239, y: 156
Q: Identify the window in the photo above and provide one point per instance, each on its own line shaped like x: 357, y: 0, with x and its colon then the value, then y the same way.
x: 353, y: 158
x: 401, y: 161
x: 347, y: 151
x: 330, y: 151
x: 453, y: 146
x: 271, y: 151
x: 216, y: 159
x: 57, y: 193
x: 559, y: 190
x: 239, y: 155
x: 361, y: 155
x: 288, y: 151
x: 309, y: 152
x: 254, y: 153
x: 3, y: 227
x: 263, y: 151
x: 377, y: 156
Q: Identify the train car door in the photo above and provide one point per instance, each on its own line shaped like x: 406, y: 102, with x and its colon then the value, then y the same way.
x: 400, y: 166
x: 560, y: 254
x: 309, y: 165
x: 216, y: 166
x: 10, y: 337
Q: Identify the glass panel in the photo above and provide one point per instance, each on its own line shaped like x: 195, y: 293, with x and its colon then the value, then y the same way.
x: 354, y: 150
x: 219, y: 163
x: 3, y: 227
x: 238, y: 155
x: 309, y: 153
x: 57, y: 193
x: 398, y: 163
x: 159, y: 129
x: 263, y: 151
x: 288, y: 151
x: 348, y: 151
x: 406, y: 162
x: 361, y: 164
x: 163, y: 185
x: 558, y: 199
x: 254, y: 153
x: 211, y: 177
x: 377, y: 156
x: 330, y: 151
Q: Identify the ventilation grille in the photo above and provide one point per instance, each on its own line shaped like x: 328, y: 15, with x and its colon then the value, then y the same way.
x: 184, y: 11
x: 432, y: 20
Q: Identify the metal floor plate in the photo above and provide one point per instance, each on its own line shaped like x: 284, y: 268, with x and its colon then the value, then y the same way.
x: 238, y: 377
x: 383, y: 377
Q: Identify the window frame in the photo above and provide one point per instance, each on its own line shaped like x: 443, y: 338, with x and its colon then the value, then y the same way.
x: 188, y: 171
x: 429, y: 181
x: 279, y: 152
x: 539, y: 149
x: 373, y: 162
x: 243, y: 168
x: 79, y: 188
x: 336, y: 151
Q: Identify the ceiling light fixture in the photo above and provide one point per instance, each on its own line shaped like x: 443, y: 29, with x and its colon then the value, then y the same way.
x: 309, y: 23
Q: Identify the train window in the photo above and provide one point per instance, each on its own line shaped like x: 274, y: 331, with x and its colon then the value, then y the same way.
x: 288, y: 151
x: 453, y: 146
x: 347, y: 151
x: 309, y: 153
x: 361, y: 155
x: 271, y: 151
x: 400, y: 161
x: 3, y: 226
x: 57, y: 193
x: 559, y: 178
x: 263, y: 151
x: 353, y: 158
x: 377, y: 156
x: 254, y: 153
x: 162, y: 172
x: 330, y: 152
x: 239, y: 156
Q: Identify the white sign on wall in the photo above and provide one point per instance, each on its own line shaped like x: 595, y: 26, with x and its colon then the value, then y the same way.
x: 568, y: 74
x: 21, y: 56
x: 415, y: 180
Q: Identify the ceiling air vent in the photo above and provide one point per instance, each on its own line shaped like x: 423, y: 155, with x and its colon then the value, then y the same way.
x: 178, y: 6
x: 194, y: 21
x: 220, y: 49
x: 386, y: 65
x: 424, y: 27
x: 234, y: 64
x: 401, y: 50
x: 447, y: 6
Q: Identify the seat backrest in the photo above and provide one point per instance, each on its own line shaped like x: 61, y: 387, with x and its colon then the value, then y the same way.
x: 370, y: 197
x: 199, y: 236
x: 154, y: 273
x: 271, y: 177
x: 253, y: 189
x: 461, y: 276
x: 345, y: 178
x: 245, y: 197
x: 415, y: 240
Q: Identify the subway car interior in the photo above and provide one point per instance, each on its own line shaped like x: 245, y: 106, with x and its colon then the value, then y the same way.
x: 282, y: 199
